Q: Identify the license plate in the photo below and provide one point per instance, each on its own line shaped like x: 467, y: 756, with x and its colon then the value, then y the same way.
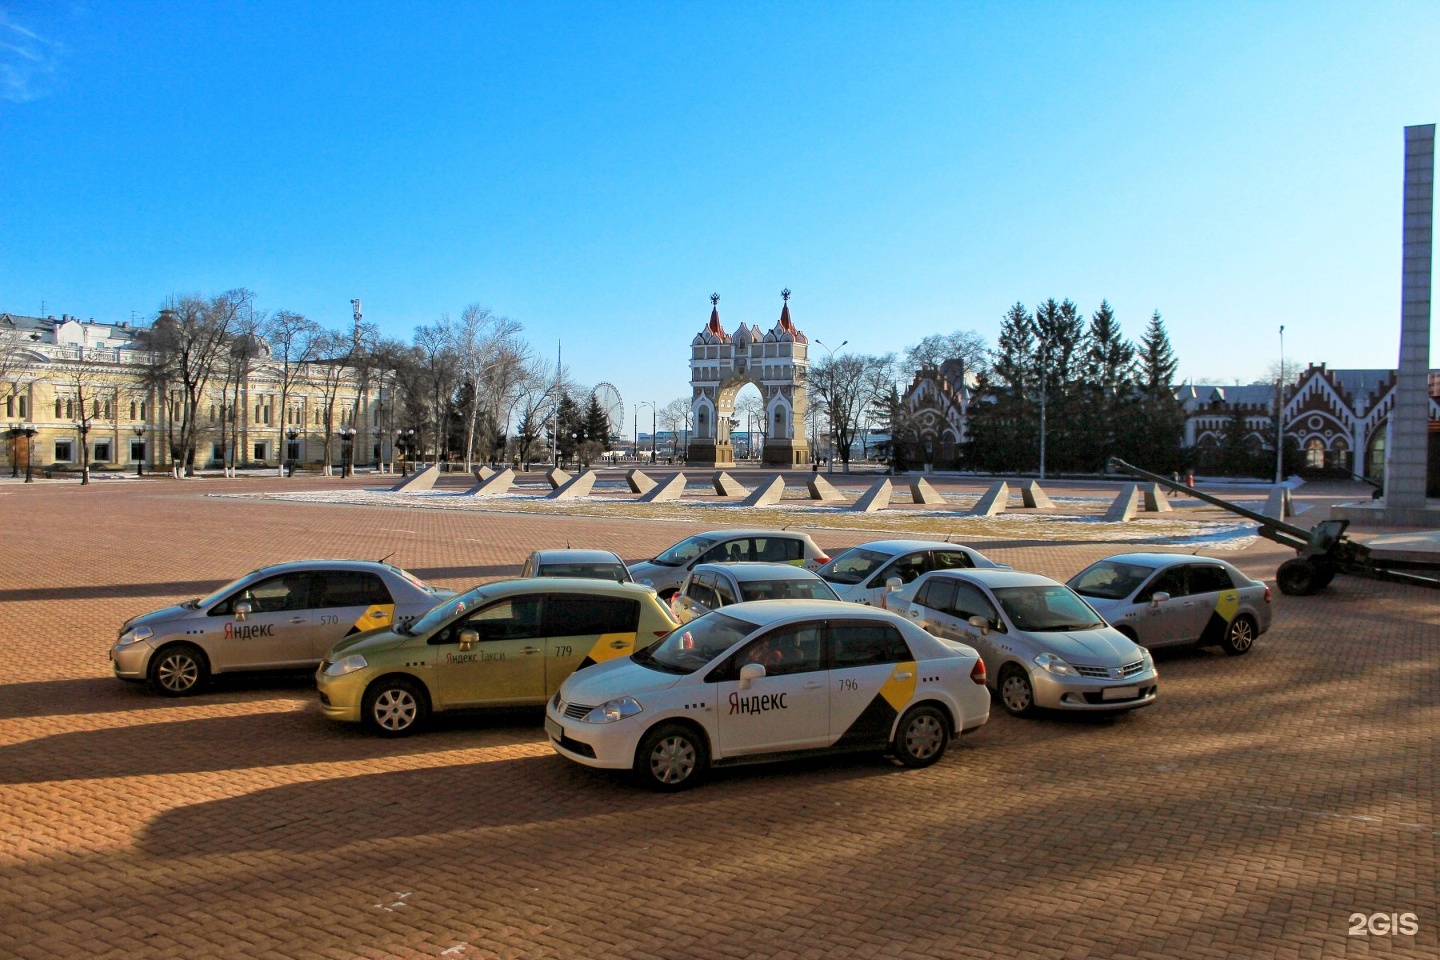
x: 554, y: 729
x: 1120, y: 693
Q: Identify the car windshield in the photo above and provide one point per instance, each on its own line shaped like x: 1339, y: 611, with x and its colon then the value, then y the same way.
x: 688, y: 648
x: 204, y: 602
x: 787, y: 590
x: 1042, y: 609
x: 685, y: 551
x: 852, y: 566
x: 442, y: 612
x: 1112, y: 579
x: 588, y: 571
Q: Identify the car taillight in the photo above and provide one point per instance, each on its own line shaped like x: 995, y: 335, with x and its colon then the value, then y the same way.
x: 661, y: 633
x: 977, y: 672
x: 1267, y: 593
x: 822, y: 559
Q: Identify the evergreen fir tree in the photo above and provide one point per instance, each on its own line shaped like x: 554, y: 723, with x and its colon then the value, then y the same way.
x: 1155, y: 440
x: 569, y: 426
x: 1107, y: 396
x: 597, y: 425
x: 1002, y: 429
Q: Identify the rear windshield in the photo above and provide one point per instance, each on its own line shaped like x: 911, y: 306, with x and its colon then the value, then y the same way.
x: 787, y: 590
x: 589, y: 571
x: 852, y: 566
x: 1111, y: 579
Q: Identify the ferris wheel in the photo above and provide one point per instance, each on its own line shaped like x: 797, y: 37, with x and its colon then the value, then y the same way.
x: 612, y: 404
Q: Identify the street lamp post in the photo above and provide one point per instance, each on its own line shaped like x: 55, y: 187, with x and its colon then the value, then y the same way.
x: 291, y: 435
x: 1280, y: 413
x: 28, y: 431
x: 653, y: 424
x: 13, y: 431
x: 347, y: 452
x: 830, y: 354
x: 140, y: 461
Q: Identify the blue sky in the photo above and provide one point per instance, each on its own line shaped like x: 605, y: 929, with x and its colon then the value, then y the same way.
x: 597, y: 170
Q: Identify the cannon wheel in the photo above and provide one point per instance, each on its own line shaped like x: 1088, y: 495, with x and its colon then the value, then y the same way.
x: 1301, y: 578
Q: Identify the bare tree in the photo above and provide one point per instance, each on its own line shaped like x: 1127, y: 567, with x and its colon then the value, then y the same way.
x: 500, y: 389
x: 292, y: 339
x: 475, y: 344
x: 538, y: 389
x: 674, y: 417
x: 964, y: 345
x: 437, y: 363
x: 844, y: 386
x: 186, y: 341
x: 90, y: 383
x: 752, y: 409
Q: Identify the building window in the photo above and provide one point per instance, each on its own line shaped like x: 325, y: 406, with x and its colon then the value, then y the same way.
x: 1315, y: 453
x: 70, y: 409
x: 10, y: 406
x: 63, y: 451
x: 132, y: 409
x: 58, y: 407
x: 102, y: 451
x: 259, y: 451
x: 23, y: 408
x: 217, y: 452
x: 137, y: 451
x: 142, y: 410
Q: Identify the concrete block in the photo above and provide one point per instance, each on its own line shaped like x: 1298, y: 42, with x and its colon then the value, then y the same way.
x: 557, y: 478
x: 820, y: 489
x: 420, y: 480
x: 922, y: 492
x: 1155, y: 499
x: 728, y: 486
x: 1125, y: 506
x: 767, y: 494
x: 638, y: 482
x: 876, y: 498
x: 498, y: 483
x: 1278, y: 504
x: 481, y: 475
x: 1035, y: 498
x: 672, y: 489
x: 578, y: 486
x: 996, y: 499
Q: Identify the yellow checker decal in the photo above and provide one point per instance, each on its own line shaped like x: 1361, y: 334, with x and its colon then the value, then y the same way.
x: 1228, y: 605
x: 898, y: 692
x: 612, y: 645
x: 380, y: 615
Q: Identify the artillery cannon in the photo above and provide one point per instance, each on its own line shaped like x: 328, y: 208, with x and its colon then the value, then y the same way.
x: 1321, y: 552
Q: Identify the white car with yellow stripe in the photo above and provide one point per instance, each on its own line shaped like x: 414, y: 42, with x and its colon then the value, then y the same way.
x: 278, y: 618
x: 1166, y: 599
x: 771, y: 680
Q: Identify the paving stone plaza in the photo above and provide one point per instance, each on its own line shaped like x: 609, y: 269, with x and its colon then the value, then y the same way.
x: 1258, y: 806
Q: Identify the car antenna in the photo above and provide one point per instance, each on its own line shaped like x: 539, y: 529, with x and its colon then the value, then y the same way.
x: 386, y: 557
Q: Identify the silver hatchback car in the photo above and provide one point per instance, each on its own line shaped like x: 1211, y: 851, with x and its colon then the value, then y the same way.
x: 283, y: 617
x: 1043, y: 646
x: 1165, y: 599
x: 667, y: 571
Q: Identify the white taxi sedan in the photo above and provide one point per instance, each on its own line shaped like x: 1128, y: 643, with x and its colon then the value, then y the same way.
x: 776, y: 677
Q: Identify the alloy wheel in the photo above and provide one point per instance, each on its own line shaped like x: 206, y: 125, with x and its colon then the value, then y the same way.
x: 672, y: 760
x: 178, y: 672
x: 395, y: 709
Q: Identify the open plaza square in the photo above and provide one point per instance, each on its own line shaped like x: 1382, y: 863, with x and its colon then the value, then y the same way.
x: 1258, y: 807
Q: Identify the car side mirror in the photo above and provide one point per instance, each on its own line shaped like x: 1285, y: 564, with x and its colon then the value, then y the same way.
x: 980, y: 623
x: 242, y: 610
x: 894, y: 585
x: 1158, y: 598
x: 468, y: 638
x: 750, y: 673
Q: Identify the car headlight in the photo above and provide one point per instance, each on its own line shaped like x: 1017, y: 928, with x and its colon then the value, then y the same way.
x: 1146, y: 659
x: 134, y: 635
x: 1051, y: 663
x: 346, y: 665
x: 617, y: 709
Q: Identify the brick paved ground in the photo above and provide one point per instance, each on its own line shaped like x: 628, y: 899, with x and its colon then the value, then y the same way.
x: 1248, y: 814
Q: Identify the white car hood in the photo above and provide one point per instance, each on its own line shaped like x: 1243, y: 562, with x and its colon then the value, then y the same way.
x: 620, y: 677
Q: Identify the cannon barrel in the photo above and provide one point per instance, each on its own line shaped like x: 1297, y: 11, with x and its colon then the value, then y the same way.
x: 1297, y: 538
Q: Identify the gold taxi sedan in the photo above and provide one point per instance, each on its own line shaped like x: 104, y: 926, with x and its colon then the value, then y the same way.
x: 504, y: 644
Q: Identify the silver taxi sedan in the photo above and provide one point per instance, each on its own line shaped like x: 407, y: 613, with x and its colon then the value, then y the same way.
x: 278, y: 618
x: 1166, y: 599
x: 711, y: 586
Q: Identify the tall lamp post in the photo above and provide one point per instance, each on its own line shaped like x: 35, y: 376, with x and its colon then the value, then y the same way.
x: 291, y: 435
x: 13, y: 432
x: 1280, y: 413
x: 654, y: 419
x: 28, y: 431
x: 140, y: 460
x: 830, y: 354
x: 347, y: 452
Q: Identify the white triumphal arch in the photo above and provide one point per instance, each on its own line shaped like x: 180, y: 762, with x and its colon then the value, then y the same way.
x: 721, y: 364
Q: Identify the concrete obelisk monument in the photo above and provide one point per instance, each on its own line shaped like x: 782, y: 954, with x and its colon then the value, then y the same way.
x: 1409, y: 448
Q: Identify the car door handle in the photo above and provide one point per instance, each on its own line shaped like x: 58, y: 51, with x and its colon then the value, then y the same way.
x: 904, y: 676
x: 618, y: 645
x: 378, y: 614
x: 813, y: 684
x: 529, y: 650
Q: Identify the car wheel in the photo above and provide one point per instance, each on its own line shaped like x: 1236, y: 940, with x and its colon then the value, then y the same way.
x: 921, y: 736
x: 1300, y: 578
x: 394, y: 707
x: 179, y: 670
x: 672, y: 757
x: 1239, y: 636
x: 1016, y: 693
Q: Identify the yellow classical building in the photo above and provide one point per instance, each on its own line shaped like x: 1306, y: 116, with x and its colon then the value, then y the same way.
x: 49, y: 366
